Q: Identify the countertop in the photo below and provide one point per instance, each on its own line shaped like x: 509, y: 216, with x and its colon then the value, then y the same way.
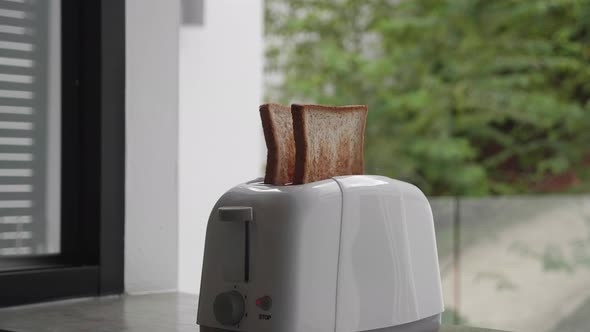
x: 141, y: 313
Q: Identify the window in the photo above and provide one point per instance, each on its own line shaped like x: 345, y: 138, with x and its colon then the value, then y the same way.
x: 61, y: 149
x: 30, y: 128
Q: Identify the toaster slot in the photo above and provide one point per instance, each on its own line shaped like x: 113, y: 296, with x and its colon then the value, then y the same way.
x: 235, y: 255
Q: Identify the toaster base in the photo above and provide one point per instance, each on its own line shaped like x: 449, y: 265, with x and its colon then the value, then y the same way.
x: 429, y: 324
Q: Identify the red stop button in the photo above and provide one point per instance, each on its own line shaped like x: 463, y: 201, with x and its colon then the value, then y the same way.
x: 264, y: 303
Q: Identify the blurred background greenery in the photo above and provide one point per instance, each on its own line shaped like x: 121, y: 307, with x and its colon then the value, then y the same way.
x: 466, y: 97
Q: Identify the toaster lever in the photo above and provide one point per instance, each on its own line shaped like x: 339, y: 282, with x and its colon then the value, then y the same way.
x: 235, y: 213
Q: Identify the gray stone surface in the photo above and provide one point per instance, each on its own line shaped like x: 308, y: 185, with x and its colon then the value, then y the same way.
x: 145, y: 313
x: 157, y: 312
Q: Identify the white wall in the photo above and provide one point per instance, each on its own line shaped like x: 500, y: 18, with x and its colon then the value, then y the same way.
x: 182, y: 156
x: 151, y: 220
x: 221, y: 141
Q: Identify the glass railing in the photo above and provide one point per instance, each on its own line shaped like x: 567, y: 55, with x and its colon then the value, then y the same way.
x: 518, y: 263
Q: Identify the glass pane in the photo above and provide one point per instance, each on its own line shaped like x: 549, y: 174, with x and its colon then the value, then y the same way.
x: 30, y: 130
x: 526, y: 260
x: 444, y: 211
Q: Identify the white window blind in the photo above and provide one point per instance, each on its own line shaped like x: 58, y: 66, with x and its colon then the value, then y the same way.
x: 24, y: 30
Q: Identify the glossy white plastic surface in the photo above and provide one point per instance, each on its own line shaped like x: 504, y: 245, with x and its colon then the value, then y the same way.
x: 352, y: 253
x: 388, y: 272
x: 293, y: 259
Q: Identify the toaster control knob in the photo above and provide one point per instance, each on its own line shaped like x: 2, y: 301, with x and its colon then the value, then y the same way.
x: 229, y: 308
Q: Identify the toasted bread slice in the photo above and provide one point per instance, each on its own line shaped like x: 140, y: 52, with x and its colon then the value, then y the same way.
x: 277, y: 124
x: 328, y: 140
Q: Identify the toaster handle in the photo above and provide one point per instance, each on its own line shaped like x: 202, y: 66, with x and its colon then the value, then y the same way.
x: 235, y: 213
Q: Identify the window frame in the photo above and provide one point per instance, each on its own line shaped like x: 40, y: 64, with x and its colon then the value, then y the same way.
x: 91, y: 261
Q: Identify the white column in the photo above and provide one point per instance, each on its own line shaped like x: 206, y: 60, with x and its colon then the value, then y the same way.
x: 221, y: 143
x: 151, y: 220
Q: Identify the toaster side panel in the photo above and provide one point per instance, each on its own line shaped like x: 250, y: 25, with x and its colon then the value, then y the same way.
x: 424, y: 257
x: 375, y: 286
x: 378, y: 275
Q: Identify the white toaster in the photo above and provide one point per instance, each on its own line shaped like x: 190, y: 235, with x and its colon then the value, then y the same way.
x: 348, y: 254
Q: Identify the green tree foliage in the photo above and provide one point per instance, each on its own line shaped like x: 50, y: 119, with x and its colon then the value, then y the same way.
x: 465, y: 96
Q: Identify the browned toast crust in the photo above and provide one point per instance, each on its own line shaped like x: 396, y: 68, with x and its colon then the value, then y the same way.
x: 300, y: 143
x: 280, y: 160
x: 346, y: 162
x: 271, y: 147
